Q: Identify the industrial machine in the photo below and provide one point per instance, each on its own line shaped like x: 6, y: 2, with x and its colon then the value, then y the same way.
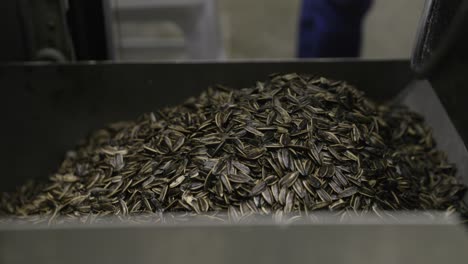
x: 50, y: 106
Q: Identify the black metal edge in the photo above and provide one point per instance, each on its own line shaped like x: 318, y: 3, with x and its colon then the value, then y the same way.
x: 199, y: 62
x: 425, y: 65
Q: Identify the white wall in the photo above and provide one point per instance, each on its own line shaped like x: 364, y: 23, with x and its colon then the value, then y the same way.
x: 391, y: 28
x: 267, y: 28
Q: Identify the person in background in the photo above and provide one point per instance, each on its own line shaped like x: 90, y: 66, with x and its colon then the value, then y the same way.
x: 331, y: 28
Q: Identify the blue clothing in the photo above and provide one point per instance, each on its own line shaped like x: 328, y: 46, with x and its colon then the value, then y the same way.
x: 331, y: 28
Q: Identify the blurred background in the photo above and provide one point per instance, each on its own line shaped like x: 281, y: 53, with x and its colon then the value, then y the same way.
x: 162, y: 30
x: 258, y: 29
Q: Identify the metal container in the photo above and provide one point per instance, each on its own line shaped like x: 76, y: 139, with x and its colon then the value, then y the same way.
x: 50, y: 107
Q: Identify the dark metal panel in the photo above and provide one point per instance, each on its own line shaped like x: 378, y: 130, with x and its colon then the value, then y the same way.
x: 45, y: 30
x: 441, y: 56
x: 88, y: 29
x: 48, y: 108
x: 451, y: 85
x: 12, y: 46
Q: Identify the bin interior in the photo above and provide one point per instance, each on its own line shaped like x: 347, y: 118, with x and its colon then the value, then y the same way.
x: 49, y: 108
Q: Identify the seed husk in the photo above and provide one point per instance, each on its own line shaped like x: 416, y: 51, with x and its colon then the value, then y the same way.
x: 291, y: 143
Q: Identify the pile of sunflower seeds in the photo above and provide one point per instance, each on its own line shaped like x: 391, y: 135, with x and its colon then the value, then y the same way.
x: 292, y: 144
